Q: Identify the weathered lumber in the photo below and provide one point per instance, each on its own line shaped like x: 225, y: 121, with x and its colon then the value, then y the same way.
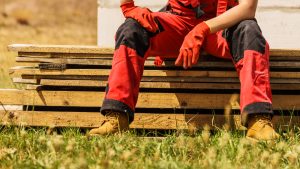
x: 46, y: 55
x: 80, y: 61
x: 94, y: 99
x: 108, y: 61
x: 146, y: 100
x: 19, y: 71
x: 141, y: 121
x: 94, y: 119
x: 25, y: 81
x: 59, y: 49
x: 56, y: 84
x: 285, y: 52
x: 160, y: 79
x: 143, y: 85
x: 67, y: 79
x: 89, y: 62
x: 97, y: 50
x: 204, y: 56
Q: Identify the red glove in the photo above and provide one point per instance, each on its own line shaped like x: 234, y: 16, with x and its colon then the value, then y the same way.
x: 190, y: 48
x: 158, y: 61
x: 142, y: 15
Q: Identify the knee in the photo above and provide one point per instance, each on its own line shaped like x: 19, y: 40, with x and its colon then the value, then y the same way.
x: 134, y: 36
x: 248, y: 26
x: 247, y: 36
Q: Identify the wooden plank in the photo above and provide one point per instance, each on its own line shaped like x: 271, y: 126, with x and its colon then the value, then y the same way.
x: 36, y: 55
x: 19, y: 71
x: 154, y: 79
x: 94, y: 99
x: 148, y: 86
x: 84, y: 83
x: 144, y: 85
x: 285, y: 52
x: 146, y: 100
x: 287, y: 75
x: 141, y: 121
x: 156, y: 85
x: 96, y: 49
x: 204, y: 56
x: 94, y: 119
x: 108, y: 62
x: 59, y: 49
x: 149, y: 62
x: 284, y: 64
x: 162, y: 85
x: 24, y: 81
x: 160, y: 79
x: 33, y: 87
x: 86, y: 61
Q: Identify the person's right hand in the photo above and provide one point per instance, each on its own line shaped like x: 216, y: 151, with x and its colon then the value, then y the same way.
x: 158, y: 61
x: 141, y: 15
x: 190, y: 48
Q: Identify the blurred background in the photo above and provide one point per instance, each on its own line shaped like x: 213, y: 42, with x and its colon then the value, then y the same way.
x: 66, y: 22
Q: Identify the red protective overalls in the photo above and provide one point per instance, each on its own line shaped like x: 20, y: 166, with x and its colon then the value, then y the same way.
x: 243, y: 43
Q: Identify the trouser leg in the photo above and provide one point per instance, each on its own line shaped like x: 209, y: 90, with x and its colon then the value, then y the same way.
x: 132, y: 42
x: 245, y: 45
x: 133, y: 45
x: 250, y: 52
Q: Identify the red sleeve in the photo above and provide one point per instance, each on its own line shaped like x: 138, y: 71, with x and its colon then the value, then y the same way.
x: 194, y: 3
x: 232, y: 3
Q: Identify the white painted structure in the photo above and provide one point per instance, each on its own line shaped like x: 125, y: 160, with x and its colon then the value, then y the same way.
x: 279, y: 20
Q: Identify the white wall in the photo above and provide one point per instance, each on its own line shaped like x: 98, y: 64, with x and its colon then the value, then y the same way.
x: 280, y: 27
x: 279, y: 20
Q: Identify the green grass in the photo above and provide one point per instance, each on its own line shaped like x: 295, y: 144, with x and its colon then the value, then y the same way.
x: 34, y: 148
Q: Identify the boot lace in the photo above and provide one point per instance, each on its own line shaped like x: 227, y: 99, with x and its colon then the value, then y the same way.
x: 111, y: 117
x: 265, y: 120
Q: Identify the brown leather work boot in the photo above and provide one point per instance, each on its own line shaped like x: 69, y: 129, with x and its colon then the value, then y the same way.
x: 260, y: 128
x: 114, y: 122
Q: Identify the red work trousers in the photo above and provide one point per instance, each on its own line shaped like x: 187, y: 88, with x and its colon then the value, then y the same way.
x: 242, y: 43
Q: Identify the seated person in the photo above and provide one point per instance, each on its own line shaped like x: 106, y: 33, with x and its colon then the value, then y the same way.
x: 223, y: 28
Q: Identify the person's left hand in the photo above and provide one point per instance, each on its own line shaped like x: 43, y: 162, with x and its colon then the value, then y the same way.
x: 190, y: 48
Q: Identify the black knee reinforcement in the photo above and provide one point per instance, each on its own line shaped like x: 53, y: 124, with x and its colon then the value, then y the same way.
x: 246, y: 35
x: 133, y: 35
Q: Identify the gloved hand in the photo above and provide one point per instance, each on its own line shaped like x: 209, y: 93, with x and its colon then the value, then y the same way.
x: 142, y: 15
x: 158, y: 61
x: 190, y: 48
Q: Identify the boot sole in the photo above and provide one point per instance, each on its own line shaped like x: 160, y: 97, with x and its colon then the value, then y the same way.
x: 254, y: 140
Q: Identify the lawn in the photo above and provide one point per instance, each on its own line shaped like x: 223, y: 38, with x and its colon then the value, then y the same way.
x: 70, y: 148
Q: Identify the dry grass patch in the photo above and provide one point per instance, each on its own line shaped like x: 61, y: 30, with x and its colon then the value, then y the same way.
x: 64, y: 22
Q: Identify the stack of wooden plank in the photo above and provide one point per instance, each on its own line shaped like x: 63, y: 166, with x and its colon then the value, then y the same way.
x: 64, y: 86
